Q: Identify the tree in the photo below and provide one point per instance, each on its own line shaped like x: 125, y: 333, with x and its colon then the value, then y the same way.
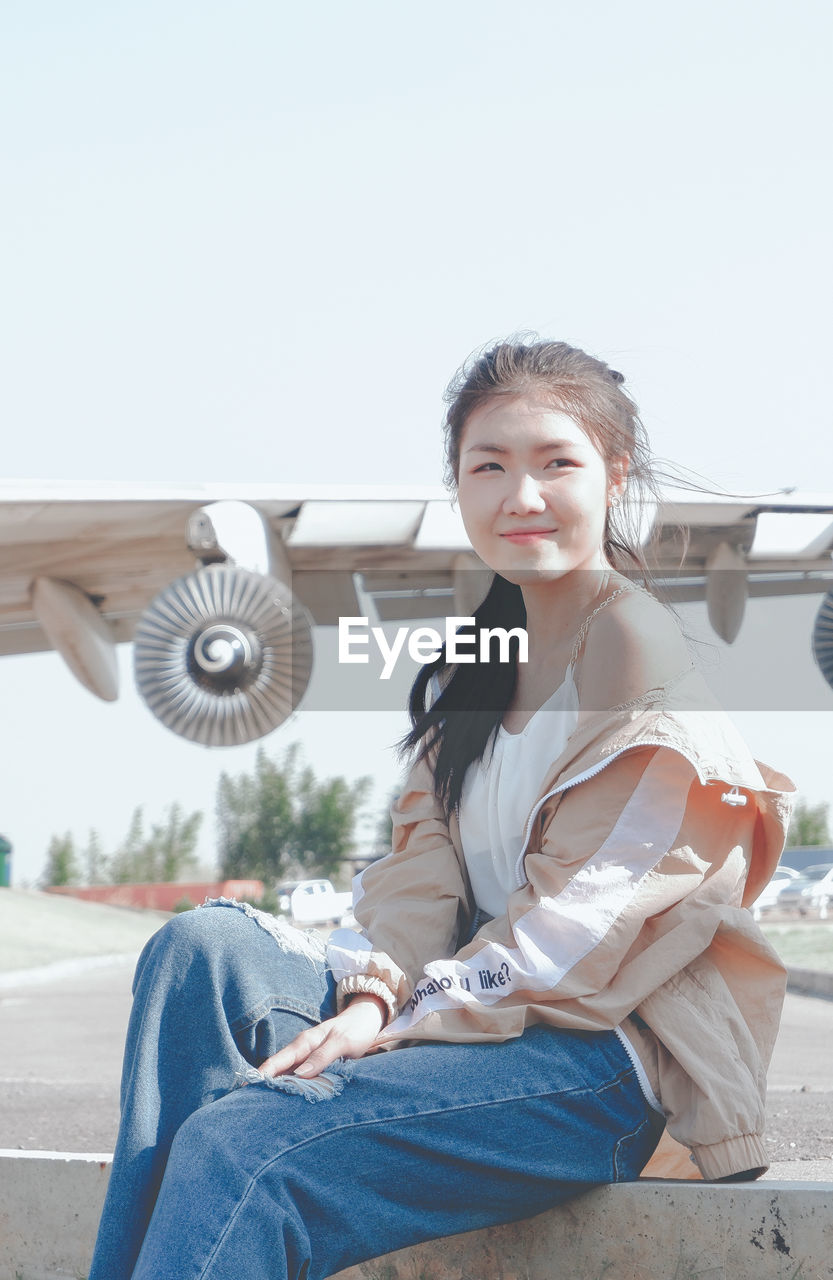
x: 172, y: 845
x: 384, y: 827
x: 163, y: 855
x: 255, y: 820
x: 61, y: 865
x: 94, y: 860
x: 276, y: 823
x: 128, y: 864
x: 326, y: 821
x: 808, y: 825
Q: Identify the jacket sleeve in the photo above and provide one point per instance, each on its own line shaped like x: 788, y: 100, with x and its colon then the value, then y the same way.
x: 412, y: 905
x: 615, y: 862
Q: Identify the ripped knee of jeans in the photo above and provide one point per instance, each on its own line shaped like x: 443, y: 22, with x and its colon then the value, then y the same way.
x: 321, y: 1088
x: 288, y: 938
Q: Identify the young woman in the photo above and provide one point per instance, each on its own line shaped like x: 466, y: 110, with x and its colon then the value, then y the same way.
x: 556, y: 959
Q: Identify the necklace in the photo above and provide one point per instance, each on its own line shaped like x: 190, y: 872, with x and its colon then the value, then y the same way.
x: 585, y: 626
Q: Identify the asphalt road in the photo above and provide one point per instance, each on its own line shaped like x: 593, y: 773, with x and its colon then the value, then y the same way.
x: 60, y: 1060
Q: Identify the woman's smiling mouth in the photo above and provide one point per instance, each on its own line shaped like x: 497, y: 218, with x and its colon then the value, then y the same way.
x: 526, y: 535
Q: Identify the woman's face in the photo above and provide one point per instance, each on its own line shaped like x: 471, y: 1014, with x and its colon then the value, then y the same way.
x: 533, y: 490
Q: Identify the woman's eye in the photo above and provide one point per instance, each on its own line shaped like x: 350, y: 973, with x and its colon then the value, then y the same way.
x: 557, y: 464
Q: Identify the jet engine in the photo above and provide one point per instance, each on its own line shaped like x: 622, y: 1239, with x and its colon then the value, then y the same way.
x: 223, y: 655
x: 823, y: 638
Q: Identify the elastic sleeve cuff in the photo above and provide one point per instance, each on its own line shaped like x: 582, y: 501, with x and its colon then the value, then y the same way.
x: 363, y: 984
x: 745, y: 1154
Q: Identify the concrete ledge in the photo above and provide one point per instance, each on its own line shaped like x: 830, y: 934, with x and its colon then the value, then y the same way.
x: 641, y: 1231
x: 50, y: 1204
x: 647, y: 1230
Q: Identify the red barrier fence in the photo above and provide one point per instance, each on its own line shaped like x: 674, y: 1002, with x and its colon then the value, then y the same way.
x: 163, y: 896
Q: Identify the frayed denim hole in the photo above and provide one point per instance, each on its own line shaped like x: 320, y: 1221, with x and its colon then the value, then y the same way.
x: 246, y: 1074
x: 320, y: 1088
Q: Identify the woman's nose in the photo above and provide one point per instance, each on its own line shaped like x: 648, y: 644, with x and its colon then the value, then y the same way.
x: 524, y: 496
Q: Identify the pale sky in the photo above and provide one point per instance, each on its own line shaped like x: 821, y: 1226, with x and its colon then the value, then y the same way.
x: 253, y: 243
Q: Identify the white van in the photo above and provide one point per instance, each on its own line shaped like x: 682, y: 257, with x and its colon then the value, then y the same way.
x: 311, y: 902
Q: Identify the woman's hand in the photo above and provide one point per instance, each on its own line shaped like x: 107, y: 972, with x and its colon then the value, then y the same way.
x: 348, y: 1035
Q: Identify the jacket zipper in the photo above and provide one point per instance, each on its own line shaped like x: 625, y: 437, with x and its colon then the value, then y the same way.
x: 639, y: 1067
x: 583, y: 777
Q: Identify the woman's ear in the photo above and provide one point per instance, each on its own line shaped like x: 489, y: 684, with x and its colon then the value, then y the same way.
x: 617, y: 479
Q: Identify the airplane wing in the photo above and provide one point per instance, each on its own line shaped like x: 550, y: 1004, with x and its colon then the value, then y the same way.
x: 121, y: 545
x: 80, y: 567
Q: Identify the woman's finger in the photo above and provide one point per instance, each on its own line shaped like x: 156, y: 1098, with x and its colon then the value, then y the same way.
x: 296, y: 1052
x: 322, y: 1057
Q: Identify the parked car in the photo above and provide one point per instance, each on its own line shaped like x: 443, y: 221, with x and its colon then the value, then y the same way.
x: 311, y: 902
x: 768, y: 898
x: 797, y: 895
x: 821, y: 895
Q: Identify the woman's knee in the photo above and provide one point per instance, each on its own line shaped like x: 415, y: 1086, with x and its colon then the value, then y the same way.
x: 220, y: 948
x: 201, y: 939
x: 203, y: 931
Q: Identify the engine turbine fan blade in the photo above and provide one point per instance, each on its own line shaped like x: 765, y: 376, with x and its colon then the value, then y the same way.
x: 223, y: 656
x: 823, y: 638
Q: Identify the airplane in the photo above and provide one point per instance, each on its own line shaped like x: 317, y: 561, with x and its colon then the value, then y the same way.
x: 219, y: 586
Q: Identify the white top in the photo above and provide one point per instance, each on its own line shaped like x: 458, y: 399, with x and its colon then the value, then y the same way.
x: 499, y: 792
x: 498, y: 795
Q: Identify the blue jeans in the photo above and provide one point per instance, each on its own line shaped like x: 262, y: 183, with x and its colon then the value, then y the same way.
x: 223, y: 1182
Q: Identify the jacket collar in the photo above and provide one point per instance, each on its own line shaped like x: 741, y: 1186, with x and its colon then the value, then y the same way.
x: 681, y: 714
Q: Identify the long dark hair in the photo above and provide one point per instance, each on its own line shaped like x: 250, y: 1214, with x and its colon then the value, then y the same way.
x: 456, y: 726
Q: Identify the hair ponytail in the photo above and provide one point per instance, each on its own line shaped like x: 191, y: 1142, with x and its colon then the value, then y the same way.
x: 472, y: 702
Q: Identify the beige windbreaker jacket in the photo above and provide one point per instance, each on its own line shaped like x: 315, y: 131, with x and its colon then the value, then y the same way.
x: 653, y: 833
